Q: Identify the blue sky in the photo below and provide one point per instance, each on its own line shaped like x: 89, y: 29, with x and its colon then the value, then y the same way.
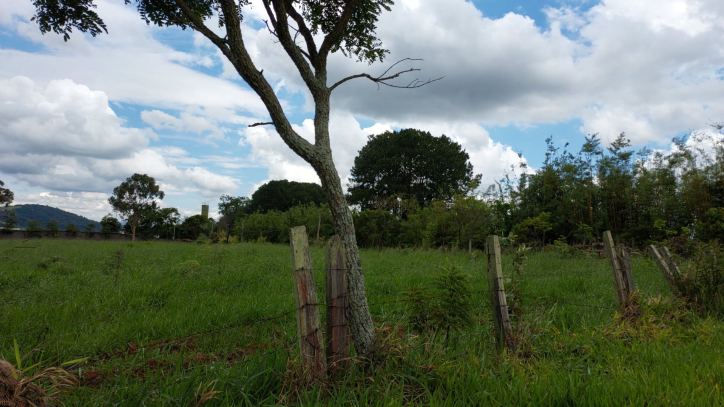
x: 76, y: 118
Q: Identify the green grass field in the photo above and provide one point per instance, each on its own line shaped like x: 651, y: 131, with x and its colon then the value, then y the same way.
x: 158, y: 320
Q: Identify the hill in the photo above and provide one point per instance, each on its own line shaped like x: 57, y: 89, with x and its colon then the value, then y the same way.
x: 45, y: 214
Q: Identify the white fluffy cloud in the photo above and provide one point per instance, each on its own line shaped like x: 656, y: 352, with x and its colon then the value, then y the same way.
x: 649, y: 68
x: 65, y: 137
x: 62, y: 118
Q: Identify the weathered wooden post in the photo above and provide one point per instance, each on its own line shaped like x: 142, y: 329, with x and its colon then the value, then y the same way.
x: 625, y: 263
x: 673, y: 268
x: 337, y: 325
x: 305, y: 293
x: 665, y: 270
x: 496, y: 286
x: 619, y: 281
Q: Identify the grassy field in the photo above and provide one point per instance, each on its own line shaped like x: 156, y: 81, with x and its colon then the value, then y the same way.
x: 159, y: 321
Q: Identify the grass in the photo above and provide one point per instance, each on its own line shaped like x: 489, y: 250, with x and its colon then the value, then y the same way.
x: 172, y: 324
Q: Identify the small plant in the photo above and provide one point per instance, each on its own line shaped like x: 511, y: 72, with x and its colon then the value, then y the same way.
x: 513, y: 292
x: 34, y: 385
x: 115, y: 264
x: 447, y: 307
x: 702, y: 284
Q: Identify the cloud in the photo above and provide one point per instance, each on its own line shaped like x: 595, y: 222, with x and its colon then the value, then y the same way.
x: 63, y: 118
x: 649, y: 68
x: 64, y: 137
x: 129, y: 64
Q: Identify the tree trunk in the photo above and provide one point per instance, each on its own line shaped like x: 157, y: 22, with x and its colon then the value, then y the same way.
x: 133, y: 227
x: 359, y: 314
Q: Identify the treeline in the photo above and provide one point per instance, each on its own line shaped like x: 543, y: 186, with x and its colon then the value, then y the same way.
x: 456, y: 223
x: 643, y: 196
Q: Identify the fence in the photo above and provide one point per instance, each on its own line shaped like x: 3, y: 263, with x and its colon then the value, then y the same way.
x: 327, y: 351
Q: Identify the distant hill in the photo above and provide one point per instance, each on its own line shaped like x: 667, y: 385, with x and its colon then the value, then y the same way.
x: 45, y: 214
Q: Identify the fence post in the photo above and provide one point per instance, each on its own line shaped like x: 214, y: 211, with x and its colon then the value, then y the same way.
x: 497, y: 293
x: 673, y: 268
x: 665, y: 270
x: 619, y: 281
x: 337, y: 325
x: 625, y: 259
x: 305, y: 293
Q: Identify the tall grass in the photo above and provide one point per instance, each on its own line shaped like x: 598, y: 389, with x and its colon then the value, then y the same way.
x: 120, y: 305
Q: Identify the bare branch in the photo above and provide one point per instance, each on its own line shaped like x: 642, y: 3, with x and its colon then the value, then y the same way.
x: 261, y: 124
x: 281, y: 25
x: 382, y: 79
x: 304, y: 30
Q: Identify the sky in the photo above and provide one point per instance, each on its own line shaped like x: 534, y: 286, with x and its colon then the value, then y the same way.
x: 78, y: 117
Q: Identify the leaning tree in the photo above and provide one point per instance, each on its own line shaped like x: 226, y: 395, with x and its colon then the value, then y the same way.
x: 309, y: 31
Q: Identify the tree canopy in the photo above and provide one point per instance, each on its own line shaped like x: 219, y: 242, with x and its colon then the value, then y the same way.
x: 110, y: 224
x: 135, y: 198
x: 6, y: 195
x: 411, y: 164
x: 283, y: 195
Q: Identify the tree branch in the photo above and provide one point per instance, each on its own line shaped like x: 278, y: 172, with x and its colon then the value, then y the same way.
x: 336, y: 34
x: 261, y: 124
x: 198, y: 24
x: 281, y: 26
x: 305, y: 31
x: 382, y: 79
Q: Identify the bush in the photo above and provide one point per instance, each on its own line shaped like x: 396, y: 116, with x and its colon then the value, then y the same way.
x: 702, y: 284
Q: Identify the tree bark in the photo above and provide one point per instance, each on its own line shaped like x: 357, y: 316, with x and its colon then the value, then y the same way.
x: 133, y: 227
x: 359, y: 315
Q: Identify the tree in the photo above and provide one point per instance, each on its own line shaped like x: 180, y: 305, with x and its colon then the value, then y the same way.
x: 89, y: 228
x: 34, y: 229
x: 193, y: 226
x: 10, y: 222
x: 135, y: 198
x: 6, y: 195
x: 110, y: 224
x: 283, y: 195
x: 71, y: 229
x: 308, y: 31
x: 410, y: 164
x: 53, y: 227
x: 158, y: 222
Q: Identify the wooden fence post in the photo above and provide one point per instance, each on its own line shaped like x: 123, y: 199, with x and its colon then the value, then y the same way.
x: 619, y: 281
x: 665, y: 270
x: 496, y: 286
x: 305, y: 293
x: 625, y: 263
x: 673, y: 268
x: 337, y: 325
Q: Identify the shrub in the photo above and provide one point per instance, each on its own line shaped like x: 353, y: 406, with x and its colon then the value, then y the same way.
x: 702, y: 284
